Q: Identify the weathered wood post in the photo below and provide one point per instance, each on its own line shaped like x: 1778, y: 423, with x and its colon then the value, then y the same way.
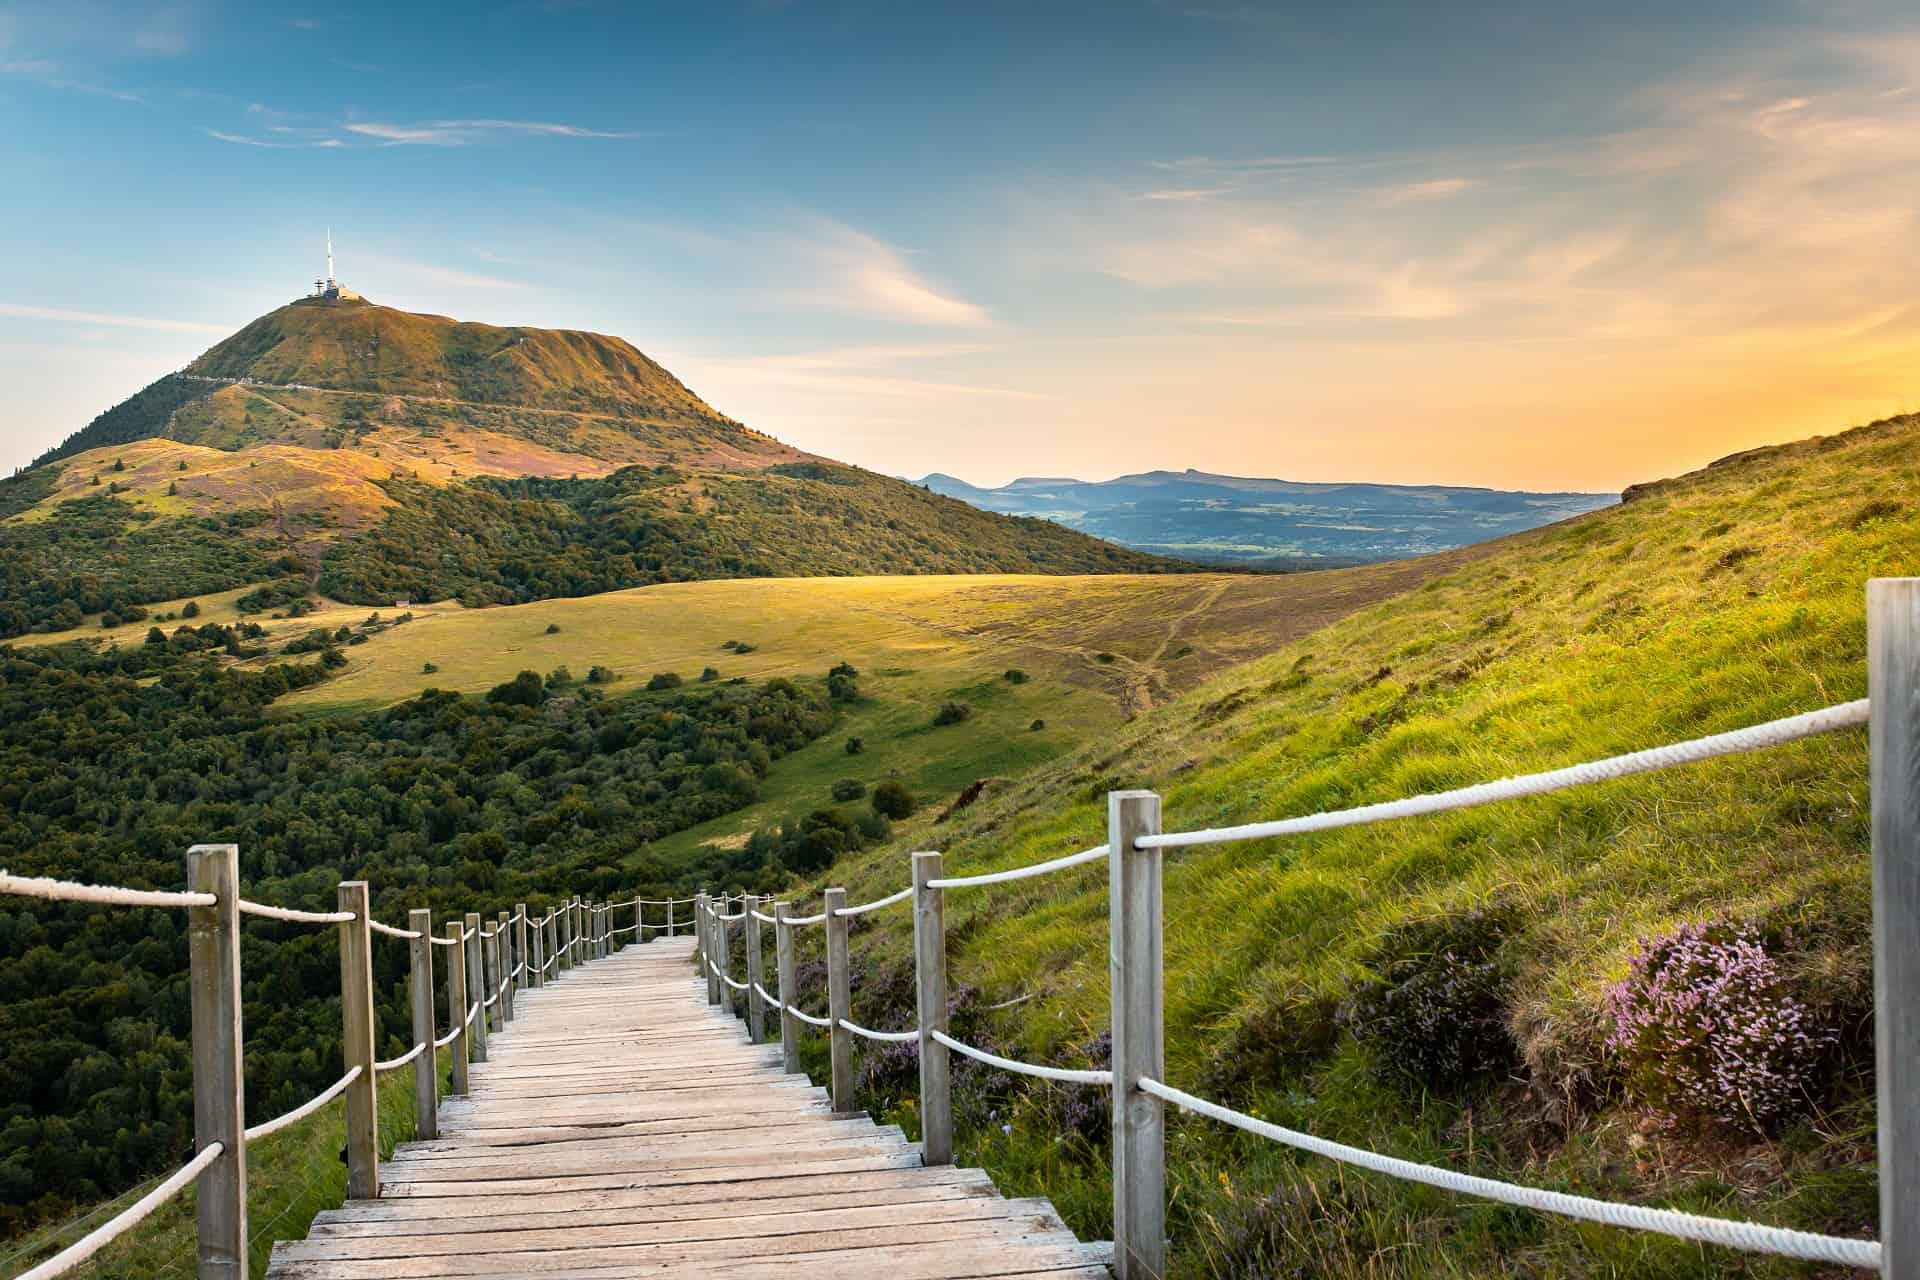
x: 503, y: 934
x: 426, y: 1067
x: 711, y: 954
x: 930, y: 988
x: 219, y: 1078
x: 553, y: 939
x: 577, y: 931
x: 602, y: 937
x: 522, y: 957
x: 839, y: 1001
x: 536, y: 953
x: 1137, y: 1019
x: 1893, y: 688
x: 756, y: 976
x: 699, y: 939
x: 490, y: 965
x: 783, y: 963
x: 476, y: 988
x: 457, y: 1004
x: 723, y: 957
x: 639, y: 919
x: 672, y: 928
x: 356, y: 1016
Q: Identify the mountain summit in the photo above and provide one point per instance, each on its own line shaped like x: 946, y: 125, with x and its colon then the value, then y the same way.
x: 373, y: 454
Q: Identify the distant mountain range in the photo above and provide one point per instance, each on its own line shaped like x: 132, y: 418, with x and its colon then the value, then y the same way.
x: 1264, y: 523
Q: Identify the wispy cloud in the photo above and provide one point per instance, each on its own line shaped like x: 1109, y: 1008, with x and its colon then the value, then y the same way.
x: 854, y: 271
x: 460, y: 133
x: 50, y: 74
x: 64, y: 315
x: 1431, y: 189
x: 240, y: 139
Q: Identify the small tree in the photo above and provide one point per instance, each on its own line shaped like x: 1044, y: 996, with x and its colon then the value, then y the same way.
x: 427, y: 668
x: 191, y: 609
x: 156, y: 636
x: 598, y: 674
x: 553, y: 628
x: 848, y: 789
x: 709, y: 675
x: 664, y: 680
x: 952, y: 711
x: 1016, y: 676
x: 856, y: 745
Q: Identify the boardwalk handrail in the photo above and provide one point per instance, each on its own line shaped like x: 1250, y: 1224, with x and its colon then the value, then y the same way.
x: 497, y: 958
x: 1134, y: 853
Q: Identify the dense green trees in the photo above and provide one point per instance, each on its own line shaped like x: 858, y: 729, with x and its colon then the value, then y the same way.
x: 112, y: 764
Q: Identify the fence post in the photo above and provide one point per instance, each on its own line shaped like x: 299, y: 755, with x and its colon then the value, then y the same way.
x: 1893, y: 687
x: 536, y: 954
x: 553, y: 937
x: 503, y: 935
x: 783, y: 964
x: 670, y: 910
x: 1139, y: 1049
x: 639, y: 919
x: 699, y: 938
x: 356, y: 1016
x: 476, y: 988
x: 756, y: 977
x: 490, y: 965
x: 602, y: 940
x: 714, y: 952
x: 930, y: 988
x: 839, y: 1001
x: 576, y: 931
x: 426, y: 1067
x: 457, y: 1006
x: 219, y: 1080
x: 522, y: 957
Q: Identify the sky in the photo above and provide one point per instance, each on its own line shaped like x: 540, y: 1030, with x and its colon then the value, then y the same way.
x: 1522, y: 245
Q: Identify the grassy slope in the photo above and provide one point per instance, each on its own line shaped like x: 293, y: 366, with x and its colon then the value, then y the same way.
x: 1713, y: 601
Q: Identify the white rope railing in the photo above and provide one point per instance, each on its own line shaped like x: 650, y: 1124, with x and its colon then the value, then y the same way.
x: 1020, y: 873
x: 809, y: 1019
x: 409, y: 934
x: 726, y: 919
x: 629, y: 929
x: 1686, y: 1226
x: 445, y: 942
x: 765, y: 996
x: 306, y: 1108
x: 1023, y: 1068
x: 450, y: 1037
x: 1757, y: 737
x: 800, y: 920
x: 105, y: 895
x: 763, y: 919
x: 106, y: 1233
x: 875, y: 905
x: 890, y: 1037
x: 292, y: 916
x: 394, y: 1064
x: 489, y: 1001
x: 473, y: 1011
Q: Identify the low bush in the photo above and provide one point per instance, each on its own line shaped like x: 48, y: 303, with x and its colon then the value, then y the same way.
x: 849, y: 789
x: 856, y: 745
x: 1704, y: 1026
x: 952, y: 711
x: 664, y: 680
x: 891, y: 799
x: 1434, y: 1015
x: 1016, y: 676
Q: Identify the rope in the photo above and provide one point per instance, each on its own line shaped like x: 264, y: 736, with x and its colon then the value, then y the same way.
x: 106, y: 1233
x: 450, y: 1037
x: 1686, y: 1226
x: 809, y: 1019
x: 891, y: 1037
x: 737, y: 986
x: 305, y: 1109
x: 819, y: 919
x: 771, y: 1003
x: 391, y: 932
x: 100, y: 894
x: 1023, y: 1068
x: 288, y: 914
x: 1020, y: 873
x: 738, y: 915
x: 887, y: 901
x: 445, y: 942
x: 1753, y: 738
x: 629, y: 929
x: 394, y: 1064
x: 465, y: 1022
x: 763, y: 919
x: 489, y: 1001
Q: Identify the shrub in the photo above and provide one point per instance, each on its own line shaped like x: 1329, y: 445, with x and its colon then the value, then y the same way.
x: 427, y: 668
x: 841, y: 683
x: 1434, y: 1014
x: 598, y: 674
x: 849, y: 789
x: 708, y: 675
x: 156, y: 636
x: 1037, y: 726
x: 952, y: 711
x: 559, y: 676
x: 553, y: 628
x: 191, y: 609
x: 1704, y: 1025
x: 1016, y: 676
x: 1080, y: 1111
x: 856, y: 745
x: 891, y: 799
x: 524, y: 690
x: 109, y: 619
x: 664, y: 680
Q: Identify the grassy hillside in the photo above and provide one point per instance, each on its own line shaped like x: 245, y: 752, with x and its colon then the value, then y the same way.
x: 1711, y: 601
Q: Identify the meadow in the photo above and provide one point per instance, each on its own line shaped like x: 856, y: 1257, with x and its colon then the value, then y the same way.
x: 1716, y: 600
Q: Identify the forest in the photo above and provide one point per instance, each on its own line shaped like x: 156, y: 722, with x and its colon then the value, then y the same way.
x: 112, y: 763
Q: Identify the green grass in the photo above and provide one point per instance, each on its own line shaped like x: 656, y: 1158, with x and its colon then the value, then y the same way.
x: 1724, y: 598
x: 291, y: 1176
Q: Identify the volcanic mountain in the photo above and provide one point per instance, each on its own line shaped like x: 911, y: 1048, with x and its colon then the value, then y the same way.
x: 380, y: 454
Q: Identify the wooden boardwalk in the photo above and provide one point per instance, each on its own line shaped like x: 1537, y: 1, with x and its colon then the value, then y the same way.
x: 624, y: 1127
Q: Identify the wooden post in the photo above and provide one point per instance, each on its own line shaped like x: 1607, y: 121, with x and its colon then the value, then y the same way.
x: 536, y: 954
x: 1893, y: 687
x: 699, y: 939
x: 639, y: 919
x: 1137, y: 1019
x: 839, y: 1001
x: 426, y: 1067
x: 711, y: 956
x: 671, y: 928
x: 503, y: 935
x: 457, y: 1006
x: 576, y: 931
x: 490, y: 965
x: 219, y: 1078
x: 602, y: 918
x: 756, y: 977
x: 356, y: 1016
x: 522, y: 956
x: 553, y: 939
x: 783, y: 963
x: 930, y: 987
x: 476, y: 988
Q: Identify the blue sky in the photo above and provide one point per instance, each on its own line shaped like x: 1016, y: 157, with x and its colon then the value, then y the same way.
x: 1463, y: 244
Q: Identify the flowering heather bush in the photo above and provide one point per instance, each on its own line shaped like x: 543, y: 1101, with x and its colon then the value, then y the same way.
x: 1081, y: 1110
x: 1703, y: 1024
x: 1434, y: 1016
